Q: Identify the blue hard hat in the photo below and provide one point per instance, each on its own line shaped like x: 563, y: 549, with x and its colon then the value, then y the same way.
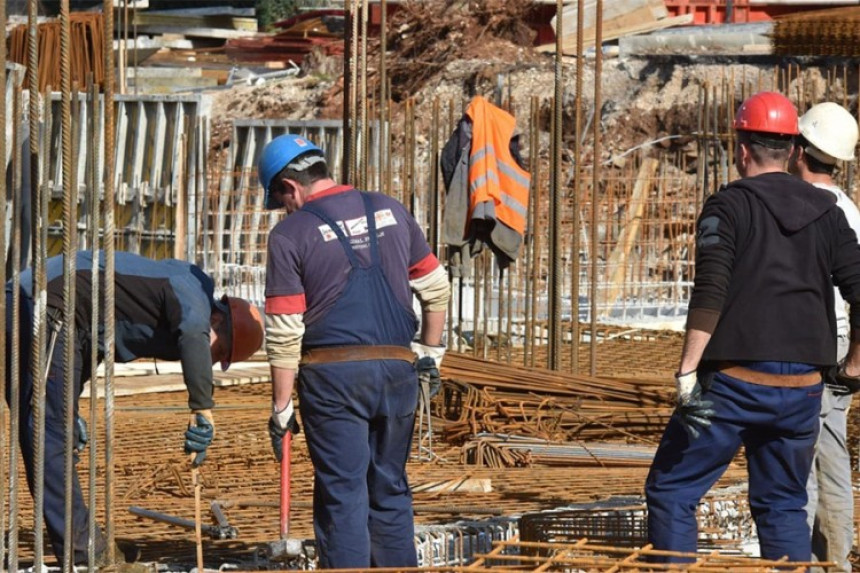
x: 279, y: 153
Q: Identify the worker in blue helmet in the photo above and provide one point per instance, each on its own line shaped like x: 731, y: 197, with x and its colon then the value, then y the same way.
x: 285, y: 150
x: 341, y: 272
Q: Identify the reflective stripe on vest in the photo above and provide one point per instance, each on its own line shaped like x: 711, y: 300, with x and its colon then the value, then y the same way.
x: 497, y: 184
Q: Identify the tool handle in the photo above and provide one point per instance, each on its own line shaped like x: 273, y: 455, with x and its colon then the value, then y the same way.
x: 285, y: 484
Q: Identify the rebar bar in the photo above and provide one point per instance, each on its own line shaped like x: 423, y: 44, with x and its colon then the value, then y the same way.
x: 109, y: 287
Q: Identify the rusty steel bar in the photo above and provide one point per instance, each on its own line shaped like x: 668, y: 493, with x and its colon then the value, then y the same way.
x: 577, y: 190
x: 109, y: 287
x: 70, y: 225
x: 555, y: 202
x: 384, y: 104
x: 595, y: 186
x: 4, y: 408
x: 348, y: 82
x: 365, y: 98
x: 15, y: 357
x: 353, y: 94
x: 38, y: 287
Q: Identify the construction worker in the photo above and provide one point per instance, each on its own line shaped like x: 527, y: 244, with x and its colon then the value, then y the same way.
x: 164, y: 309
x: 828, y: 134
x: 760, y: 330
x: 340, y: 275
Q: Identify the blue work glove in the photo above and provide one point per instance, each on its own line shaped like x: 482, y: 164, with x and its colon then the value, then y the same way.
x: 694, y: 412
x: 281, y: 422
x: 198, y: 436
x: 427, y: 365
x: 81, y: 438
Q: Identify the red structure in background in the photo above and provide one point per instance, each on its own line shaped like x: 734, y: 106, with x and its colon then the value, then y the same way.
x: 735, y: 11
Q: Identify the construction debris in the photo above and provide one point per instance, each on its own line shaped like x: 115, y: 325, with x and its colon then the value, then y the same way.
x: 319, y: 30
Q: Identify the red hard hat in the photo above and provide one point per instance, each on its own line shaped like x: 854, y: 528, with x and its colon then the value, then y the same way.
x: 767, y: 112
x: 246, y: 336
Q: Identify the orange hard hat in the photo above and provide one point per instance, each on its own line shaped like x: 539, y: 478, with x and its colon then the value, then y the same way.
x: 246, y: 330
x: 767, y: 112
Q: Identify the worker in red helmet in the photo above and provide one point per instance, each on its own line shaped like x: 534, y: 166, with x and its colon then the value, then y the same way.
x: 341, y: 272
x: 828, y: 136
x: 760, y: 331
x: 164, y: 309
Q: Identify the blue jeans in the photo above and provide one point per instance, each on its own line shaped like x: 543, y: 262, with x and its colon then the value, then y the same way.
x: 778, y: 428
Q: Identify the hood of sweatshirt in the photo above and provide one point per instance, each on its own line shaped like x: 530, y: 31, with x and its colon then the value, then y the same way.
x: 793, y: 202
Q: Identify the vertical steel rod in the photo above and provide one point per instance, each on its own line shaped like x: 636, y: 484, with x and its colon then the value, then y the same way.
x: 595, y: 185
x: 554, y: 355
x: 108, y: 245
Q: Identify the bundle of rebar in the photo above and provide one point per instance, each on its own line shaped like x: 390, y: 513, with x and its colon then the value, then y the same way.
x: 86, y: 53
x: 486, y: 397
x: 831, y: 32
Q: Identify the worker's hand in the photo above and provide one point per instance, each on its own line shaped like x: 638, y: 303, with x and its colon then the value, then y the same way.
x: 428, y: 363
x: 842, y: 383
x: 694, y: 412
x: 281, y: 422
x: 198, y: 436
x: 81, y: 438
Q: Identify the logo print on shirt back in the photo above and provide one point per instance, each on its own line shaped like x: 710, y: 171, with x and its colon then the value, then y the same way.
x: 358, y: 227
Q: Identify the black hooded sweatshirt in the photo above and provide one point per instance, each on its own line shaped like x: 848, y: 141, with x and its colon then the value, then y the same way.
x: 768, y: 251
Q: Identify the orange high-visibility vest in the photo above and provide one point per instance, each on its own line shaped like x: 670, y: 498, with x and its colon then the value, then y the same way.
x: 497, y: 184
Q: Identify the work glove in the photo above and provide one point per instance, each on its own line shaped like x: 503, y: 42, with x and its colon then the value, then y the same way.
x: 694, y: 412
x: 81, y: 438
x: 198, y: 436
x: 840, y: 383
x: 280, y: 423
x: 428, y: 363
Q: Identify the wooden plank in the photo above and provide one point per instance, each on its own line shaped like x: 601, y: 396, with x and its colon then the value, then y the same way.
x: 139, y: 378
x: 617, y: 264
x: 649, y: 9
x: 569, y: 47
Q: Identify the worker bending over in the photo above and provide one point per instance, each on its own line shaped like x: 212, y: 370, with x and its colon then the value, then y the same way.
x: 164, y: 309
x: 340, y: 275
x: 760, y: 331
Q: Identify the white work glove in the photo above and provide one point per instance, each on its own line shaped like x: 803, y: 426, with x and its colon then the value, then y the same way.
x: 427, y: 363
x: 687, y: 384
x: 434, y: 352
x: 695, y: 413
x: 281, y: 422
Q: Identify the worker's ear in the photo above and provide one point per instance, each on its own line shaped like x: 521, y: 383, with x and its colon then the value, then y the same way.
x: 217, y: 320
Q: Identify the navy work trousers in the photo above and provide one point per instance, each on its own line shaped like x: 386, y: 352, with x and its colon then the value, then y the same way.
x: 358, y: 419
x: 54, y: 492
x: 778, y: 428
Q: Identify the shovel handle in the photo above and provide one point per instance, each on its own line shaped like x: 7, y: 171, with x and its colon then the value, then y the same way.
x: 285, y: 484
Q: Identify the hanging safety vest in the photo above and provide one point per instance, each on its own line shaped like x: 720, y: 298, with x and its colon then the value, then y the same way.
x: 499, y: 187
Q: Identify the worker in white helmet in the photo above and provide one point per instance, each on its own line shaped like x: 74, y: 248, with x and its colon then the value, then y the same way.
x: 828, y: 134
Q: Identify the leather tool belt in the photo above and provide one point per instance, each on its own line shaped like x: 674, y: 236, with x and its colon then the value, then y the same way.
x: 356, y: 353
x: 769, y: 379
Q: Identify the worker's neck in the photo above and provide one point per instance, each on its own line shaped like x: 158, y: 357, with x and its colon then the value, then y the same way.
x: 817, y: 178
x: 754, y: 169
x: 322, y: 185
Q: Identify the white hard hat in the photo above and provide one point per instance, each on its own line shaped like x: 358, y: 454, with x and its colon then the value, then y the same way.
x: 831, y: 131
